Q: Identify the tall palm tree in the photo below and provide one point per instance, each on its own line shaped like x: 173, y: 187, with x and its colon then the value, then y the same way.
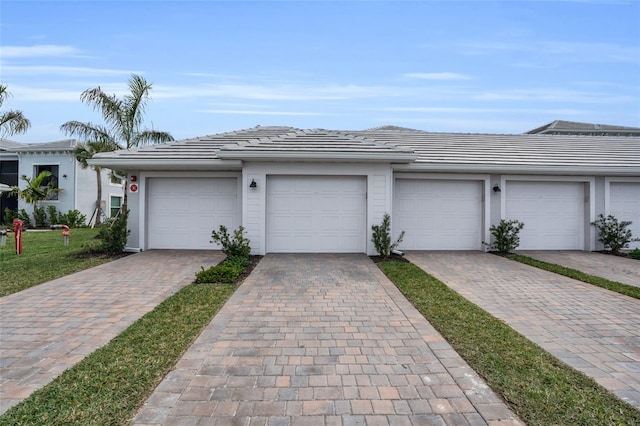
x: 84, y: 151
x: 11, y: 122
x: 123, y: 119
x: 36, y: 190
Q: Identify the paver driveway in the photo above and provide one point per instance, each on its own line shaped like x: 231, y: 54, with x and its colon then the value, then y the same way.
x: 48, y: 328
x: 592, y: 329
x: 321, y: 340
x: 614, y: 268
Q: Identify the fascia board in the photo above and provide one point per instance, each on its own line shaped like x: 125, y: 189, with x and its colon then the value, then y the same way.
x: 165, y: 164
x: 318, y: 156
x: 518, y: 169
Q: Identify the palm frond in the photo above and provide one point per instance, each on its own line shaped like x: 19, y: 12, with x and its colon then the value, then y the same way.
x: 87, y: 131
x: 150, y: 137
x: 13, y: 123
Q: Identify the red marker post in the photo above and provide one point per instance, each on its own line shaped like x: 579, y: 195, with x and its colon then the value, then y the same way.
x: 18, y: 226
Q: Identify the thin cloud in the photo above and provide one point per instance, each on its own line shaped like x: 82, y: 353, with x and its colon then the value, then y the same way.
x: 37, y: 51
x: 258, y: 112
x: 554, y: 95
x: 437, y: 76
x: 22, y: 70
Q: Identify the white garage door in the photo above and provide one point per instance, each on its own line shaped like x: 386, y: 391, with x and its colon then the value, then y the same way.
x: 316, y: 214
x: 552, y: 213
x: 182, y: 212
x: 438, y: 214
x: 625, y: 205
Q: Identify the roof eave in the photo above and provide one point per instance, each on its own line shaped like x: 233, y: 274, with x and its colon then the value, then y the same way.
x: 517, y: 169
x: 166, y: 164
x: 246, y: 155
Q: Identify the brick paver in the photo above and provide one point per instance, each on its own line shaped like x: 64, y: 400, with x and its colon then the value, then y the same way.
x: 614, y: 268
x: 48, y: 328
x: 321, y: 340
x: 592, y: 329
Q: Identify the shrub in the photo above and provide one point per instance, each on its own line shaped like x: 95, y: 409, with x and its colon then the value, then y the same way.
x: 634, y: 254
x: 73, y: 219
x: 21, y: 214
x: 222, y: 273
x: 381, y: 237
x: 237, y: 261
x: 234, y: 246
x: 40, y: 216
x: 114, y: 234
x: 505, y: 236
x: 613, y: 234
x: 54, y: 217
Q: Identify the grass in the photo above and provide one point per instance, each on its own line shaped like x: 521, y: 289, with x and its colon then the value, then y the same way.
x: 44, y: 257
x: 625, y: 289
x: 110, y: 385
x: 540, y: 389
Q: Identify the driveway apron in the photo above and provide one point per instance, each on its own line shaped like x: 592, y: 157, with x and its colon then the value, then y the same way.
x: 321, y: 340
x: 594, y: 330
x: 50, y: 327
x: 614, y: 268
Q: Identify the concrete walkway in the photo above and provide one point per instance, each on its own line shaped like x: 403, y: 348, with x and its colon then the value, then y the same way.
x: 614, y: 268
x: 321, y: 340
x: 592, y: 329
x: 48, y: 328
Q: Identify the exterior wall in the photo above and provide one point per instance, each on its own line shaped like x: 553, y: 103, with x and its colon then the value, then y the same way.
x: 254, y: 199
x: 632, y: 214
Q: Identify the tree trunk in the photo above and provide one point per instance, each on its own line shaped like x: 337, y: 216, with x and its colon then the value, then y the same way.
x: 99, y: 200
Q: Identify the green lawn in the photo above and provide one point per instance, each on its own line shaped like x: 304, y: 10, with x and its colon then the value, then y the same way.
x: 540, y: 389
x: 44, y: 257
x: 621, y: 288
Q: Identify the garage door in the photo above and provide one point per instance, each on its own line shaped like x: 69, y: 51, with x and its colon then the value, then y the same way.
x: 316, y: 214
x: 625, y: 205
x: 552, y: 213
x: 438, y: 214
x: 182, y: 212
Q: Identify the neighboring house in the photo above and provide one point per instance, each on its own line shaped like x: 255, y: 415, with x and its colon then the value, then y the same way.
x: 561, y: 127
x: 78, y: 185
x: 319, y: 190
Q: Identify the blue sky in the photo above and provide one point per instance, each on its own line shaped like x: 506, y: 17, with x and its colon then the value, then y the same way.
x: 446, y: 66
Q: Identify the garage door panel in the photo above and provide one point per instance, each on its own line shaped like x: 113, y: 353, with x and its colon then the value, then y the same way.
x: 438, y: 214
x: 624, y: 200
x: 552, y: 213
x: 182, y: 212
x: 316, y: 213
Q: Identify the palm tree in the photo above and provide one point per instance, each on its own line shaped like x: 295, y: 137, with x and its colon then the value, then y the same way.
x: 11, y: 122
x: 123, y: 119
x: 84, y: 151
x: 36, y: 190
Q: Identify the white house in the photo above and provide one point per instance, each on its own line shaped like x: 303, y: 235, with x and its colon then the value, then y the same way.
x: 79, y: 186
x: 320, y: 190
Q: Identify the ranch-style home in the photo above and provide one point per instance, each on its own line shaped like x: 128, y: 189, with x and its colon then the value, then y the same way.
x: 312, y: 191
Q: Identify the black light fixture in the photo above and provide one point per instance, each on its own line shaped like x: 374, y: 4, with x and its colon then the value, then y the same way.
x: 64, y: 176
x: 253, y: 184
x: 496, y: 188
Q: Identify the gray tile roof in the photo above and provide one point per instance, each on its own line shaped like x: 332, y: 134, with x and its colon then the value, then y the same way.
x: 559, y: 127
x: 62, y: 145
x: 407, y: 148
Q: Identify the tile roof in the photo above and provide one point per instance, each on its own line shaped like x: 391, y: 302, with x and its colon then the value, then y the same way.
x: 62, y: 145
x: 416, y: 149
x: 574, y: 127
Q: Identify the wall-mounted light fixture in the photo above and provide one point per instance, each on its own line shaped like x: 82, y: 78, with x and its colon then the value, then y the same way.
x: 253, y: 184
x: 496, y: 188
x: 64, y: 176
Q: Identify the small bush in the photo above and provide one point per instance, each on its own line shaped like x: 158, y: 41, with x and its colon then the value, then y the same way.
x: 634, y: 254
x: 381, y: 237
x: 40, y: 215
x: 505, y: 236
x: 237, y: 261
x: 114, y: 233
x: 233, y: 246
x: 222, y: 273
x: 613, y: 234
x: 73, y: 219
x: 21, y: 214
x: 53, y: 215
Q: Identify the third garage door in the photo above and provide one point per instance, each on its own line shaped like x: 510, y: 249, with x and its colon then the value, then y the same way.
x: 552, y: 213
x: 316, y: 214
x: 438, y: 214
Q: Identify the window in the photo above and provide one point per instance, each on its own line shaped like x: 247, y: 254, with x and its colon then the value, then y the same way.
x: 115, y: 203
x: 53, y: 179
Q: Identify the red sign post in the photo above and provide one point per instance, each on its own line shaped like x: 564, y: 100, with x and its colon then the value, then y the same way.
x: 18, y: 226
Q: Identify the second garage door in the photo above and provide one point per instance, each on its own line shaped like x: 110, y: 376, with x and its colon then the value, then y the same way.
x: 316, y: 214
x: 552, y: 213
x: 183, y: 211
x: 625, y: 205
x: 438, y: 214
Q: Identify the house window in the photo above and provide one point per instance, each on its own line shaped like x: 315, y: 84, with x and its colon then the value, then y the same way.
x: 114, y: 205
x: 53, y: 179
